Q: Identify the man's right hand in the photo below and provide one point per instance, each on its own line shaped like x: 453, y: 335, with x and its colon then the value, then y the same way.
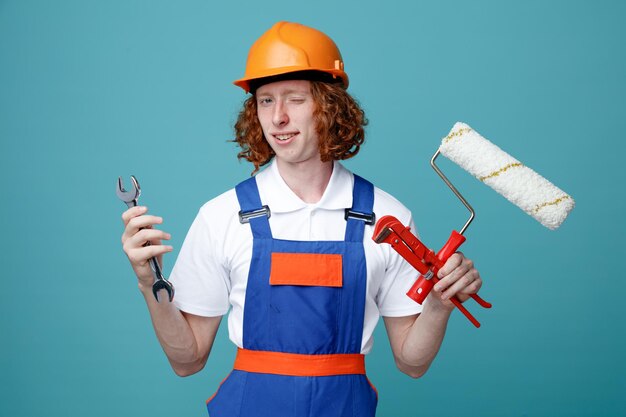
x: 138, y: 231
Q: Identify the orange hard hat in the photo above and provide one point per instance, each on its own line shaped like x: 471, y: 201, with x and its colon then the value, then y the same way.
x: 291, y: 47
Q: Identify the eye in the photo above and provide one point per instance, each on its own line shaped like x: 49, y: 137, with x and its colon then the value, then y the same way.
x: 297, y: 100
x: 264, y: 101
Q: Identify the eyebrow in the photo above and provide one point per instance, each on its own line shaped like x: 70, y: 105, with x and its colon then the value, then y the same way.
x: 286, y: 92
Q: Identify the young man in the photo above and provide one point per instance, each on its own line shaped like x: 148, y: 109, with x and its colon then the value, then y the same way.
x: 300, y: 273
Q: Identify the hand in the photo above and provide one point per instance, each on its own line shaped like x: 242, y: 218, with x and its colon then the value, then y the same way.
x: 138, y: 231
x: 459, y: 278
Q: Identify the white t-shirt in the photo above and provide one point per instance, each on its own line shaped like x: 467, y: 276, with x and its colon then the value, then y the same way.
x: 211, y: 272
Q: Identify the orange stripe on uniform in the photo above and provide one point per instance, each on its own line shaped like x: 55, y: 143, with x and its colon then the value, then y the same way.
x: 295, y: 364
x: 312, y: 269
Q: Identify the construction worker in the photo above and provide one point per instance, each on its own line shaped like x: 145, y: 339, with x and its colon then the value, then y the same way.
x: 289, y: 252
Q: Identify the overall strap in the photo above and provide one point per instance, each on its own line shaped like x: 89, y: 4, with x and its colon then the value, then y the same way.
x: 252, y: 210
x: 361, y: 212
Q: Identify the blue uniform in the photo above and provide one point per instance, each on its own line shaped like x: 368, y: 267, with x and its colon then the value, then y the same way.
x: 302, y: 328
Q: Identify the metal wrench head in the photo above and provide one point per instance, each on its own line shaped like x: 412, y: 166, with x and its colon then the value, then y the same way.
x: 128, y: 197
x: 162, y: 284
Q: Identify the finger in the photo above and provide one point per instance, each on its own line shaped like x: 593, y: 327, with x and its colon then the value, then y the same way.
x: 137, y: 224
x: 454, y: 268
x: 154, y: 236
x: 142, y: 222
x: 460, y: 267
x: 474, y: 287
x: 141, y: 255
x: 133, y: 212
x: 451, y: 264
x: 466, y: 284
x: 449, y: 280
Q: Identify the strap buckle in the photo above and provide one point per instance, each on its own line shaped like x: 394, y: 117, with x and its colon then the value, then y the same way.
x: 245, y: 216
x: 368, y: 218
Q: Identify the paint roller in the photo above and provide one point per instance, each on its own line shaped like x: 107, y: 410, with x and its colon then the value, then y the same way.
x: 519, y: 184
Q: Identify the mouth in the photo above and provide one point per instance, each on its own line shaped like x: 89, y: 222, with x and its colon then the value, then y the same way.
x: 284, y: 137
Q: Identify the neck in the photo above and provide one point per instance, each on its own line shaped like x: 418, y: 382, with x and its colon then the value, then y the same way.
x: 307, y: 181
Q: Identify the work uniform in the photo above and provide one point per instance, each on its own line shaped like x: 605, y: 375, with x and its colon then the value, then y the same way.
x: 305, y: 293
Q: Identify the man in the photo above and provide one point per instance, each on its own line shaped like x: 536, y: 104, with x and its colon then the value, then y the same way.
x: 290, y: 253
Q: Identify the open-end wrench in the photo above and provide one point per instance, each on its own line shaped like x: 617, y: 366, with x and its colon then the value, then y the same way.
x: 130, y: 198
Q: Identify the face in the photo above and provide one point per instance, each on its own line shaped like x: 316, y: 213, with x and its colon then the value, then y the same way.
x: 285, y: 112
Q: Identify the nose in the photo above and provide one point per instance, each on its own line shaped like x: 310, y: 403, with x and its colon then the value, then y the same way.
x: 280, y: 116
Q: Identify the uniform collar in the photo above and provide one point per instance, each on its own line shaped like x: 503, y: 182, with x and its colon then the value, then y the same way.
x: 278, y: 196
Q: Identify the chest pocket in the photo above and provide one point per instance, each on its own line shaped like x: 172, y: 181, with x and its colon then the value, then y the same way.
x: 305, y: 300
x: 306, y: 269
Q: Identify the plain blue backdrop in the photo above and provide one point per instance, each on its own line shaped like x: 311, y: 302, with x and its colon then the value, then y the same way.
x: 90, y: 90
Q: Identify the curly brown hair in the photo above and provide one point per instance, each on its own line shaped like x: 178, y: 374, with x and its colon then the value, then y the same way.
x: 340, y: 126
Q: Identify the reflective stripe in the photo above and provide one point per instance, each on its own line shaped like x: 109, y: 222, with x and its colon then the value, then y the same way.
x: 295, y: 364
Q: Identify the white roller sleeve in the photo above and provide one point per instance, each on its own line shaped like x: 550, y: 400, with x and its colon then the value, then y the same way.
x: 517, y: 183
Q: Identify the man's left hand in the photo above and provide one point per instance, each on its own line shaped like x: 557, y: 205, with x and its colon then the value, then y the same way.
x: 459, y: 278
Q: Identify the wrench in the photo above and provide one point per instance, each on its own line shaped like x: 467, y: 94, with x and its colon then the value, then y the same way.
x: 130, y: 198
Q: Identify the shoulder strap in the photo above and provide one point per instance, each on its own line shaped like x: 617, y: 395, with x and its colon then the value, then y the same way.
x: 252, y: 210
x: 361, y: 212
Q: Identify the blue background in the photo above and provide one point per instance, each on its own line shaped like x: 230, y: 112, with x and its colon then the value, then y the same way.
x: 93, y: 90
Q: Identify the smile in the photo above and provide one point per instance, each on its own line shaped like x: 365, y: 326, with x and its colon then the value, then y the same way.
x: 285, y: 136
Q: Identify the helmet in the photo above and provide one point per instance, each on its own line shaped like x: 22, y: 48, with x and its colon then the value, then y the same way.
x: 291, y: 47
